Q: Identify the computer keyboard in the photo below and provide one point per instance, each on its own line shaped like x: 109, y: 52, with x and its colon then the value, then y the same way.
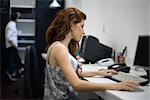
x: 121, y: 76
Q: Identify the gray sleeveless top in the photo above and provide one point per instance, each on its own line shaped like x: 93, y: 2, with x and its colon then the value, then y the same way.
x: 56, y: 85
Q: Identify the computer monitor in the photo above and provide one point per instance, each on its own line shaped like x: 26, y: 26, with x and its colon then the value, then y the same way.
x: 142, y: 54
x: 92, y: 50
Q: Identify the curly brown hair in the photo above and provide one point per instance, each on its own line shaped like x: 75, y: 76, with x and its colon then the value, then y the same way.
x: 60, y: 27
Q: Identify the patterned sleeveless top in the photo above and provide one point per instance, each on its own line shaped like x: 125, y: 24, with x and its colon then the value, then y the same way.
x: 56, y: 85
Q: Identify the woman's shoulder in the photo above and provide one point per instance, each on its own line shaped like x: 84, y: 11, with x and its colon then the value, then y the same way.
x: 58, y: 47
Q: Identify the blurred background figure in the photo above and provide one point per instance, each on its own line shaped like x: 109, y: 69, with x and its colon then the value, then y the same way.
x: 14, y: 66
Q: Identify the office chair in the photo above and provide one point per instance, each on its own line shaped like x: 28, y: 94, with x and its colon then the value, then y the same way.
x: 31, y: 84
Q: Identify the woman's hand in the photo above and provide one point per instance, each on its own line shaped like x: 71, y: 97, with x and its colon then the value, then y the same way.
x: 107, y: 72
x: 127, y: 85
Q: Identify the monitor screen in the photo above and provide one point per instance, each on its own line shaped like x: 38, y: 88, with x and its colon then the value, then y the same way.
x: 142, y: 52
x: 92, y: 50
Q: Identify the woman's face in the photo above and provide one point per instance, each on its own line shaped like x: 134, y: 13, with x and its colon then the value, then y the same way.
x: 77, y: 30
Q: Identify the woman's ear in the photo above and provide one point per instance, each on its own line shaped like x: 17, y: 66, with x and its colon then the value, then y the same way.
x: 72, y: 25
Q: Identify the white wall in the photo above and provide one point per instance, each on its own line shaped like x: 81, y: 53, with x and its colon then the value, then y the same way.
x: 117, y: 23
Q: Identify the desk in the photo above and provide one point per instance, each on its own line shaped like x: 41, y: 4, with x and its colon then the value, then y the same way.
x: 116, y: 95
x: 44, y: 56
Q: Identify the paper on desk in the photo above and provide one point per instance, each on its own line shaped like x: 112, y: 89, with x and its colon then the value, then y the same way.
x: 99, y: 80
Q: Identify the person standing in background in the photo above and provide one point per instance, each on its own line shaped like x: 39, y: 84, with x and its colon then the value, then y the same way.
x: 14, y: 65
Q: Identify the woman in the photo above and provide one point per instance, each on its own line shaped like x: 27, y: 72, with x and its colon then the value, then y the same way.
x: 62, y: 74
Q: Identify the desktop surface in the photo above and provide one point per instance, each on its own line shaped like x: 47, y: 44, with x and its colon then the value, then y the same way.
x: 141, y: 94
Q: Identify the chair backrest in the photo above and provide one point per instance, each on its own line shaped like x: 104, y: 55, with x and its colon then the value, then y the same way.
x: 31, y: 84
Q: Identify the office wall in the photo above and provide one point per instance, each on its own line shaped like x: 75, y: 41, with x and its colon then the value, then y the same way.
x: 116, y: 23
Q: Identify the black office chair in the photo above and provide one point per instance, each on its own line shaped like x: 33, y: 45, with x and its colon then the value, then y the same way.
x: 31, y: 84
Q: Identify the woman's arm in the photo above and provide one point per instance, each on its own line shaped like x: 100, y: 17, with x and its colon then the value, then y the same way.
x: 60, y: 53
x: 94, y: 73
